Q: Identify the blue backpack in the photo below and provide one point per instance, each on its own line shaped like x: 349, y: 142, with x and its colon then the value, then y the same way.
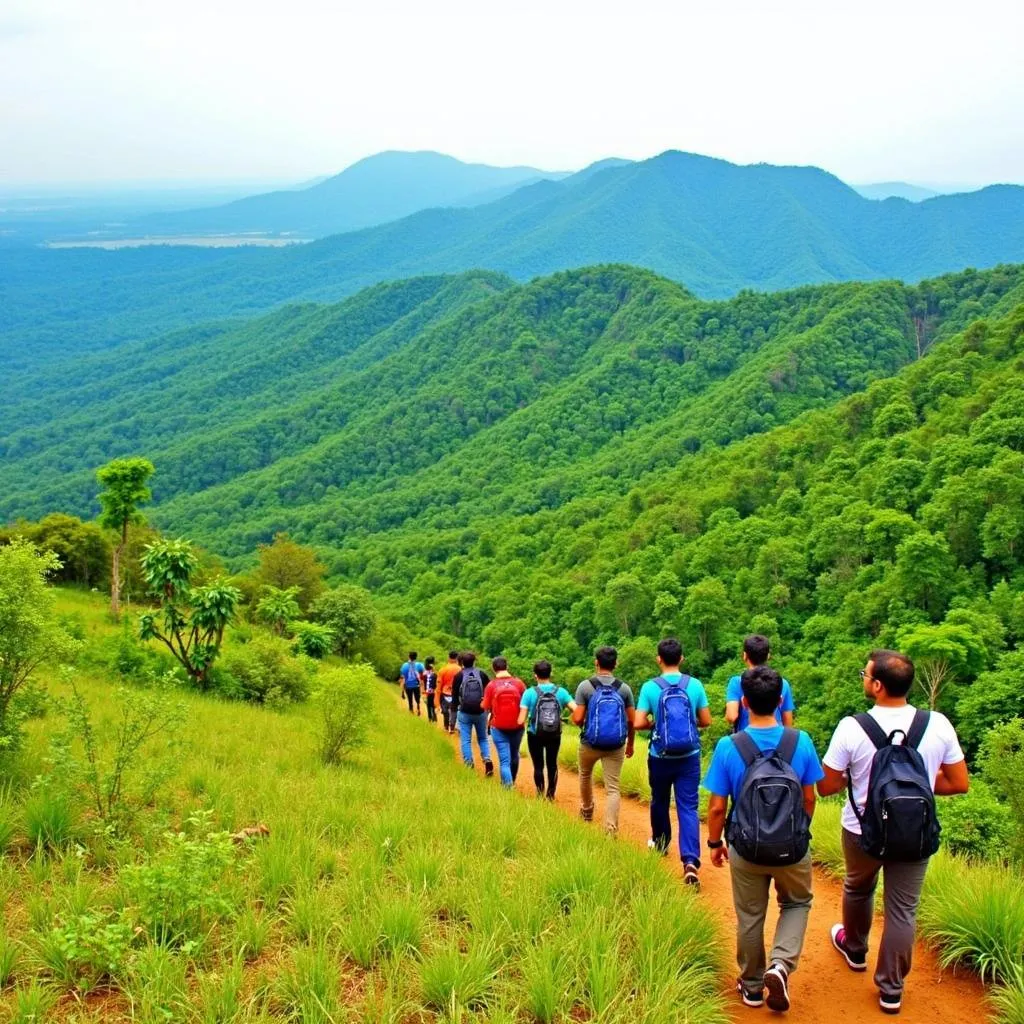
x: 675, y: 728
x: 606, y: 727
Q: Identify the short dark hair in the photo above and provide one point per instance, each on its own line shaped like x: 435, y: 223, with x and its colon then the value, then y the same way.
x: 670, y: 650
x: 542, y: 669
x: 453, y: 655
x: 762, y: 686
x: 606, y: 657
x: 893, y: 670
x: 499, y: 664
x: 412, y: 655
x: 429, y: 663
x: 467, y: 658
x: 757, y: 648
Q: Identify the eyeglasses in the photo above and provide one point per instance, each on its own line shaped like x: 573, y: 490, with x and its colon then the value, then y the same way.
x: 864, y: 674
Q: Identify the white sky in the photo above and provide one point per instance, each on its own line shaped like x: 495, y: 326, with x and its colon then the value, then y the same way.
x: 210, y: 89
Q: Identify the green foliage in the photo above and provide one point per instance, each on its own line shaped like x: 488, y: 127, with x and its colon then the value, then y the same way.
x: 193, y: 618
x: 1002, y: 764
x: 348, y: 612
x: 50, y: 819
x: 290, y: 567
x: 265, y: 671
x: 278, y: 607
x: 125, y: 488
x: 86, y: 950
x: 82, y: 548
x: 312, y: 638
x: 976, y: 824
x: 343, y: 708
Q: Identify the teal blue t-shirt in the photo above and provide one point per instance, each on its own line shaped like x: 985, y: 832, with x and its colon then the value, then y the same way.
x: 725, y: 773
x: 734, y: 691
x: 650, y: 693
x: 529, y: 701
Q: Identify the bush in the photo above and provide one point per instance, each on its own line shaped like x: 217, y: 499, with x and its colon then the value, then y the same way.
x: 348, y: 612
x: 312, y: 639
x: 1002, y: 766
x: 343, y: 704
x: 86, y: 949
x: 264, y: 671
x: 976, y: 825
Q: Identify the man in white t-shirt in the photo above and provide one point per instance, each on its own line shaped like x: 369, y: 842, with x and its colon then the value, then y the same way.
x: 888, y: 678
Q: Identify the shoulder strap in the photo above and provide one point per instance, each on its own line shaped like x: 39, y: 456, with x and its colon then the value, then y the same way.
x: 917, y: 728
x: 662, y: 683
x: 747, y: 748
x: 788, y: 744
x: 874, y: 731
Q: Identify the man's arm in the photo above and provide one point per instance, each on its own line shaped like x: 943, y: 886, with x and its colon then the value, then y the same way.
x: 704, y: 718
x: 732, y: 711
x: 952, y: 779
x: 523, y: 712
x: 630, y: 732
x: 717, y: 807
x: 833, y: 782
x: 809, y: 801
x: 787, y: 719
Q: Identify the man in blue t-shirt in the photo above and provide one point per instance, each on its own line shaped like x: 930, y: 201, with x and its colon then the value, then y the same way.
x: 756, y: 651
x: 762, y: 693
x: 667, y: 772
x: 410, y: 675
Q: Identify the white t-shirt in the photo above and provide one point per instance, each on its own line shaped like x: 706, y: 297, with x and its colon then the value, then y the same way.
x: 851, y: 749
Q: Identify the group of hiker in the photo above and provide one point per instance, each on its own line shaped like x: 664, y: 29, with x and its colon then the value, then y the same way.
x: 762, y: 779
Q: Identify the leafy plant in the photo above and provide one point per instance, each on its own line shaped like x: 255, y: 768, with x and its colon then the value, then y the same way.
x: 124, y: 489
x: 976, y: 824
x: 312, y: 638
x: 342, y: 701
x: 264, y: 671
x: 278, y: 607
x: 86, y: 950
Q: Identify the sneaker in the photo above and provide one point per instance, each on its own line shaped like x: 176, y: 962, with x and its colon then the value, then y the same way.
x: 690, y: 875
x: 890, y: 1004
x: 839, y: 941
x: 587, y: 813
x: 749, y: 1000
x: 488, y: 768
x: 776, y: 982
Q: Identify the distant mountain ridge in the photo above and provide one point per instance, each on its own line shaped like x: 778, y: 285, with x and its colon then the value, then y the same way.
x: 897, y: 190
x: 375, y: 190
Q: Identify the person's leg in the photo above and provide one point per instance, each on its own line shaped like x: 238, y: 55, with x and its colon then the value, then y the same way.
x: 551, y: 750
x: 793, y: 891
x: 503, y: 745
x: 901, y: 893
x: 480, y: 722
x: 515, y: 740
x: 686, y: 784
x: 416, y: 694
x: 431, y: 717
x: 858, y: 895
x: 588, y: 757
x: 408, y: 698
x: 466, y: 736
x: 661, y: 791
x: 611, y: 766
x: 448, y: 711
x: 536, y: 748
x: 750, y: 885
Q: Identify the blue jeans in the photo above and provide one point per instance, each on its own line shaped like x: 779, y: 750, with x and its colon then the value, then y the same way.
x: 507, y: 743
x: 467, y: 723
x: 682, y: 774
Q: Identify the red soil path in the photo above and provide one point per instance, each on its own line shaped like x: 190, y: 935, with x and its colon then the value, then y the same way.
x: 824, y: 990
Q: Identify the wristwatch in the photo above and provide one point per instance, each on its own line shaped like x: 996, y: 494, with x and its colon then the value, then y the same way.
x: 716, y: 844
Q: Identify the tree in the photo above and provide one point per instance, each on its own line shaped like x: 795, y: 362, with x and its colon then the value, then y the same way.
x: 925, y: 569
x: 29, y: 632
x: 942, y: 654
x: 627, y: 596
x: 706, y: 609
x: 285, y: 564
x: 124, y: 481
x: 193, y: 618
x: 83, y: 548
x: 278, y: 607
x: 348, y: 612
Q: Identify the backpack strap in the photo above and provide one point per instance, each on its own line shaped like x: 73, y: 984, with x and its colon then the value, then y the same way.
x: 746, y: 747
x: 874, y: 731
x: 788, y: 744
x: 917, y: 728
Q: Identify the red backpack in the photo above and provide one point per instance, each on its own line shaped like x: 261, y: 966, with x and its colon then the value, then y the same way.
x: 505, y: 703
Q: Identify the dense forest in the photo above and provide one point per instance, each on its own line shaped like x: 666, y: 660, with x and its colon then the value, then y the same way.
x: 714, y: 226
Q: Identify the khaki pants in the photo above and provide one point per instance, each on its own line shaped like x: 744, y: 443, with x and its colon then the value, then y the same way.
x: 750, y: 890
x: 611, y: 765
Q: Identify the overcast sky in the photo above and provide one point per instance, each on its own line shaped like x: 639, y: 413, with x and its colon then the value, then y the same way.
x: 228, y: 89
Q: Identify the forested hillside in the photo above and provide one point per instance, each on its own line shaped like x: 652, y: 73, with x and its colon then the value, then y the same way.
x: 713, y: 226
x: 443, y: 399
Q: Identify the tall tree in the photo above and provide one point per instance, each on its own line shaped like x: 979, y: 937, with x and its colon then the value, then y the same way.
x: 125, y: 488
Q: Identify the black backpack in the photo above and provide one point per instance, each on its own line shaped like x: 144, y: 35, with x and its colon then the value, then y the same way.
x: 547, y: 715
x: 767, y: 824
x: 471, y: 696
x: 899, y: 823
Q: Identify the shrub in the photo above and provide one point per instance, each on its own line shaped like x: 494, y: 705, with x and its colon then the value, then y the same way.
x: 343, y: 704
x: 348, y: 612
x: 86, y: 950
x: 312, y: 639
x: 1002, y: 765
x: 976, y: 824
x: 264, y: 671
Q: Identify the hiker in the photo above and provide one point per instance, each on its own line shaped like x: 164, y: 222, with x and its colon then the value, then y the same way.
x: 756, y: 651
x: 501, y: 700
x: 410, y: 675
x: 445, y: 678
x: 604, y: 707
x: 675, y: 708
x: 541, y: 713
x: 468, y: 695
x: 893, y: 752
x: 767, y: 773
x: 430, y: 689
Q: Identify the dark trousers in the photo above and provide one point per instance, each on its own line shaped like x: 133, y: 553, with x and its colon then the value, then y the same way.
x: 544, y: 748
x: 448, y: 711
x: 681, y: 774
x: 412, y: 692
x: 431, y: 713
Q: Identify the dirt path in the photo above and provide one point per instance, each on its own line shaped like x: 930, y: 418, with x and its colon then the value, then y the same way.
x: 824, y: 990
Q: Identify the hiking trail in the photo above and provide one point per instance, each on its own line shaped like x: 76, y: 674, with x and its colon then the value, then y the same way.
x: 824, y: 990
